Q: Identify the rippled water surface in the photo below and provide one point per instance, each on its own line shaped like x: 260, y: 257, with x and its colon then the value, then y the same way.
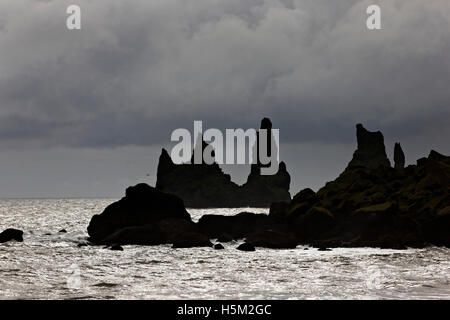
x: 49, y: 265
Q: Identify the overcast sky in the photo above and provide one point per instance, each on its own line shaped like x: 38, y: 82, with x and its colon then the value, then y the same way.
x: 85, y: 113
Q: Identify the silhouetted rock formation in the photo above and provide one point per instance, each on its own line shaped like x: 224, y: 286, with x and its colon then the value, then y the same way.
x: 11, y: 234
x: 200, y: 185
x: 399, y: 157
x: 272, y: 239
x: 246, y: 247
x: 190, y: 240
x: 134, y: 219
x: 238, y: 226
x: 207, y: 186
x: 369, y: 204
x: 371, y: 152
x: 372, y: 204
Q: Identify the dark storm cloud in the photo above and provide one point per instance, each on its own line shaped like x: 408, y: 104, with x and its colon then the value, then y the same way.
x: 139, y: 69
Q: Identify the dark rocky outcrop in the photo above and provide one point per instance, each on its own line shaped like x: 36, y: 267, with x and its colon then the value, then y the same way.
x: 173, y: 227
x: 399, y: 157
x: 225, y: 237
x: 369, y: 204
x: 207, y: 186
x: 11, y: 234
x: 142, y: 208
x: 371, y: 152
x: 272, y: 239
x: 116, y: 247
x: 246, y: 247
x: 372, y: 204
x: 190, y: 240
x: 149, y: 234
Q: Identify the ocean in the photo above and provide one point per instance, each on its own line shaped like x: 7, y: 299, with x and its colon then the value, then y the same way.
x: 50, y: 265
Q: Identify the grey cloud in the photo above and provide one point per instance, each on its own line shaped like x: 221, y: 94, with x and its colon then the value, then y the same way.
x: 139, y: 69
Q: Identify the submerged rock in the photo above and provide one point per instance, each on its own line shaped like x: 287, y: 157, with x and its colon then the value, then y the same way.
x: 246, y: 247
x: 116, y: 247
x: 11, y: 234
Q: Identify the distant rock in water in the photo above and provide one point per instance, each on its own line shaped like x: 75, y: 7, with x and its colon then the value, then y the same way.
x: 246, y: 247
x: 116, y: 247
x: 11, y: 234
x: 371, y: 152
x: 399, y: 157
x: 207, y: 186
x: 141, y: 209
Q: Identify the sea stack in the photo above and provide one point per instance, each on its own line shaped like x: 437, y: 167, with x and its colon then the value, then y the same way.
x: 371, y: 152
x: 207, y: 186
x: 399, y: 157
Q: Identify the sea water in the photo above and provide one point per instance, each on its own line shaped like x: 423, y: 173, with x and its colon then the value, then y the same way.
x: 50, y: 265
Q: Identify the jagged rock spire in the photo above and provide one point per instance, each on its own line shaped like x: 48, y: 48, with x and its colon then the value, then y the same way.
x: 399, y: 157
x: 371, y: 152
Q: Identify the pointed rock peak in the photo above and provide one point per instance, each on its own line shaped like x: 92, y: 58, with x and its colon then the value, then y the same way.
x: 371, y: 152
x: 399, y: 157
x: 266, y: 124
x: 165, y: 158
x: 434, y: 155
x: 359, y: 127
x: 165, y: 165
x: 165, y: 155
